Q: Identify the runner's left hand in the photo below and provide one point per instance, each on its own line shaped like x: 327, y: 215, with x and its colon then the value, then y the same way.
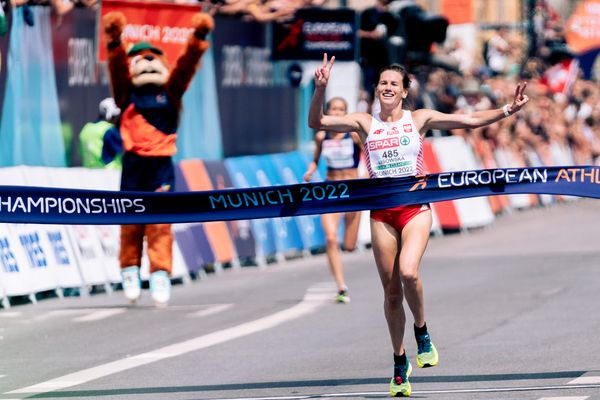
x: 520, y: 98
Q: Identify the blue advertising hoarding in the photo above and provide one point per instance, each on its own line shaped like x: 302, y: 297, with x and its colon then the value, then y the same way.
x: 240, y: 231
x: 262, y: 228
x: 291, y: 168
x: 258, y: 110
x: 288, y: 235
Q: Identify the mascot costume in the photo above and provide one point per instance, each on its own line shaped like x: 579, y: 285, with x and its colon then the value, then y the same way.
x: 150, y: 94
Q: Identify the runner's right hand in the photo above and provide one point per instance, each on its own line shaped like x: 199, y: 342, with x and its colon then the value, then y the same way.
x: 322, y: 73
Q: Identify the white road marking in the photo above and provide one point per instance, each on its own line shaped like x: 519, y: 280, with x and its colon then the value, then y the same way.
x: 423, y: 392
x: 56, y: 313
x: 2, y: 376
x: 10, y: 314
x: 100, y: 314
x: 278, y: 398
x: 583, y: 380
x: 566, y: 398
x: 313, y: 299
x: 213, y: 309
x: 507, y: 389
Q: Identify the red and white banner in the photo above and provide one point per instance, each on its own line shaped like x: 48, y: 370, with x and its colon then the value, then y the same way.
x: 583, y: 27
x: 165, y: 25
x: 560, y: 77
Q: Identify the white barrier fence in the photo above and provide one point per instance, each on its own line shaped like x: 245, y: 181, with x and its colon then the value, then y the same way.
x: 36, y: 258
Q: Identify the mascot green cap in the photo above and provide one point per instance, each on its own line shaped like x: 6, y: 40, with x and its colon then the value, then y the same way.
x: 141, y: 46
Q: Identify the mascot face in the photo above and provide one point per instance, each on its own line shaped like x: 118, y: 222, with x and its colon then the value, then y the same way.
x: 147, y: 65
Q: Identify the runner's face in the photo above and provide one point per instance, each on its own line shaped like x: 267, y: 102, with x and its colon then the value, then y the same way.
x: 390, y: 89
x: 336, y: 107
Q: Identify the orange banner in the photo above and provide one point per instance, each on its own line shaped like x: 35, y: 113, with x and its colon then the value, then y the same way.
x: 583, y: 27
x: 458, y: 11
x: 165, y: 25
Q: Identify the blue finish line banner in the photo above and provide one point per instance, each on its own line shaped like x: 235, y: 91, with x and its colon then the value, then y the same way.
x: 20, y: 204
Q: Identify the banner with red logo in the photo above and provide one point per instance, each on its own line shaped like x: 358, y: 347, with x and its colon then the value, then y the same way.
x: 583, y: 27
x: 314, y: 31
x: 165, y: 25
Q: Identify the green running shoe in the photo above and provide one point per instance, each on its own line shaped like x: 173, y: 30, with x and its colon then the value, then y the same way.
x: 427, y: 355
x: 342, y: 297
x: 399, y: 385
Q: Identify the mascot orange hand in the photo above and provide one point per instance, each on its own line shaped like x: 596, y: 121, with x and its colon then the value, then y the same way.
x: 202, y: 24
x: 114, y: 23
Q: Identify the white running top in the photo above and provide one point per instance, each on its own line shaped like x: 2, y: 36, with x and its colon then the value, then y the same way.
x: 394, y: 149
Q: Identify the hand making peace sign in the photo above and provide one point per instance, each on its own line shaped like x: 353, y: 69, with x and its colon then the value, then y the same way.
x: 322, y: 73
x: 520, y: 98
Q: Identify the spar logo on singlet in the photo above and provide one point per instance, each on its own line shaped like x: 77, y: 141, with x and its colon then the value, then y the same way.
x: 404, y: 140
x: 384, y: 143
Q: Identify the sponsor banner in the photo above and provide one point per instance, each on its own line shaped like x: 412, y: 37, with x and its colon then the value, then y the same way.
x: 89, y: 245
x: 194, y: 255
x: 64, y: 206
x: 286, y: 227
x: 5, y: 24
x: 15, y: 274
x: 165, y: 25
x: 89, y: 253
x: 244, y: 70
x: 314, y: 31
x: 454, y: 154
x: 194, y: 246
x: 83, y: 241
x: 262, y: 228
x: 508, y: 158
x: 582, y: 30
x: 61, y: 256
x: 271, y: 229
x: 240, y: 231
x: 110, y: 242
x: 291, y: 167
x: 41, y: 259
x: 444, y: 212
x: 38, y: 253
x: 197, y: 179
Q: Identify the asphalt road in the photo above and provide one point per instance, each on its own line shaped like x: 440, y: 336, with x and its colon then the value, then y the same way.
x: 514, y: 311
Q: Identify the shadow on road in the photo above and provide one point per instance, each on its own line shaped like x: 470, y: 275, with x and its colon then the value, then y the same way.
x: 307, y: 383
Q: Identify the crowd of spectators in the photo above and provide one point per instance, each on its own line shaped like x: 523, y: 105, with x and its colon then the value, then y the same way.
x: 259, y: 10
x: 556, y: 128
x: 251, y: 10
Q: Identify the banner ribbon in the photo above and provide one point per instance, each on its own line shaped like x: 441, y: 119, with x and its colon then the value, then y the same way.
x: 22, y: 204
